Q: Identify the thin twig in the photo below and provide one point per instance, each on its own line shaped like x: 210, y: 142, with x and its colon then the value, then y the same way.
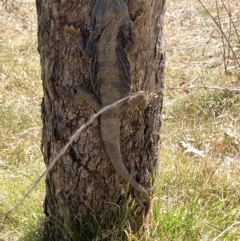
x: 230, y: 18
x: 222, y: 32
x: 89, y: 122
x: 231, y: 89
x: 225, y: 60
x: 227, y: 229
x: 65, y: 148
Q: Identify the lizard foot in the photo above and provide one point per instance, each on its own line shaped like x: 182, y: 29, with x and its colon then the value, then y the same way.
x: 140, y: 101
x: 76, y: 33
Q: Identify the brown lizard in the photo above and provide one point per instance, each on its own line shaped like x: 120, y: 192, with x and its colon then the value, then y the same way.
x: 111, y: 38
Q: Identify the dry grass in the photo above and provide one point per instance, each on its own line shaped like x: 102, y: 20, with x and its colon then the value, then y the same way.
x: 20, y: 125
x: 198, y: 194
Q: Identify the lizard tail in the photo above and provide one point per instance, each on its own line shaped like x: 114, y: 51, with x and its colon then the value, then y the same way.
x: 111, y: 137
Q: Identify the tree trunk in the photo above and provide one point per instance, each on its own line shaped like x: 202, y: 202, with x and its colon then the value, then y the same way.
x: 85, y: 198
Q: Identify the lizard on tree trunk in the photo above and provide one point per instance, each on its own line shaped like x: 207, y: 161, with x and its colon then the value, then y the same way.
x: 111, y: 38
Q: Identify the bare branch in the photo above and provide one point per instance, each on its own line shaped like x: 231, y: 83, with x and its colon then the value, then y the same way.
x: 65, y: 148
x: 224, y: 231
x: 93, y: 117
x: 222, y: 32
x: 205, y: 87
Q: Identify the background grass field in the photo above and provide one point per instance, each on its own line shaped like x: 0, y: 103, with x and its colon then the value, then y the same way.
x: 198, y: 188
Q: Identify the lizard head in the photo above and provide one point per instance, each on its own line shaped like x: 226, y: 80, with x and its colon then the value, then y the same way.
x: 107, y: 11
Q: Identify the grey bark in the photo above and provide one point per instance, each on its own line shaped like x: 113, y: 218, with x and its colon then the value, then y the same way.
x: 83, y: 192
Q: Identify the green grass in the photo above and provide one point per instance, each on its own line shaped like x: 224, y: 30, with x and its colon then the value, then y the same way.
x: 197, y: 197
x: 20, y: 129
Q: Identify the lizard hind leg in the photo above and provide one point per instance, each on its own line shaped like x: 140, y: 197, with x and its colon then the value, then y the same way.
x: 84, y: 95
x: 140, y: 101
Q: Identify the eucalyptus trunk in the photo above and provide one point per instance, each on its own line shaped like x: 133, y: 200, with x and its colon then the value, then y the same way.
x: 85, y: 198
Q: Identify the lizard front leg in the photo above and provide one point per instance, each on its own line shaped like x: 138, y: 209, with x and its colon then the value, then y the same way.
x: 140, y: 101
x: 86, y: 48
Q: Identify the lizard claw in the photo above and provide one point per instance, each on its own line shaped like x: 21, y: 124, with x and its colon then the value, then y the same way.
x: 76, y: 33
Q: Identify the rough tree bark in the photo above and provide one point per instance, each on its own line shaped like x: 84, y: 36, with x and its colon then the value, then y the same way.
x: 83, y: 193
